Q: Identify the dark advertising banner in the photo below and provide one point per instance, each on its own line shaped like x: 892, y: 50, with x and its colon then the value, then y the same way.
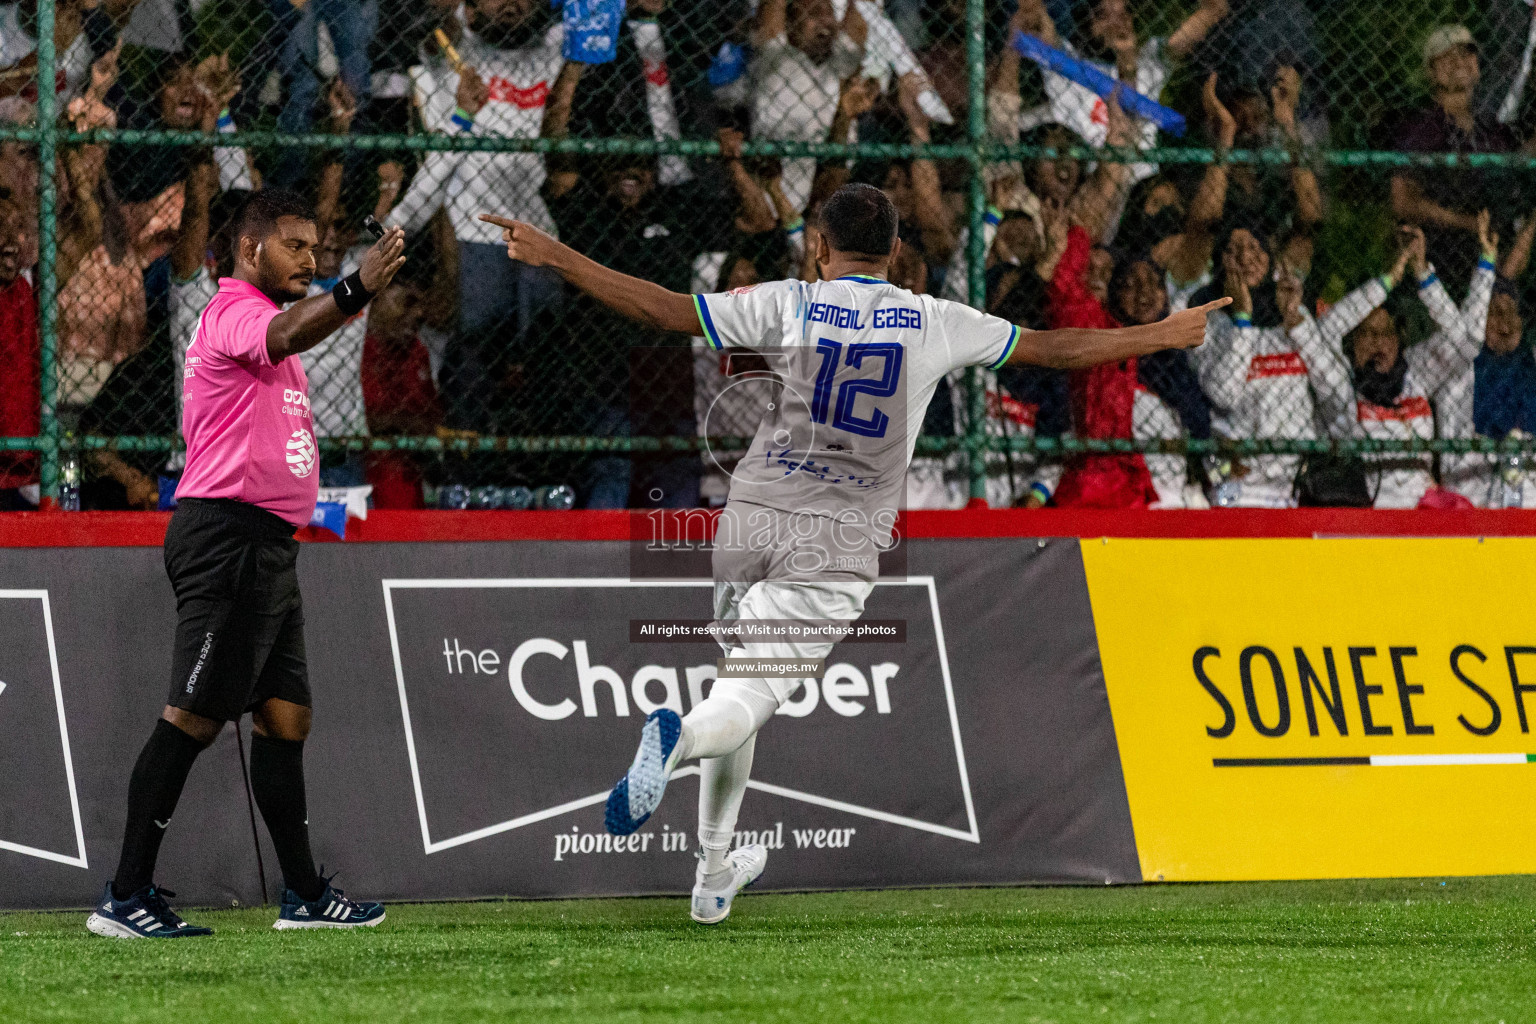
x: 85, y: 667
x: 474, y: 703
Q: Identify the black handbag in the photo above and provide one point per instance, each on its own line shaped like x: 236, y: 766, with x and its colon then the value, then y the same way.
x: 1334, y: 481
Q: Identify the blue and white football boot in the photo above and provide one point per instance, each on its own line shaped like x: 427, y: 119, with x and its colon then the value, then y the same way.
x: 711, y: 905
x: 639, y: 792
x: 331, y: 910
x: 144, y: 915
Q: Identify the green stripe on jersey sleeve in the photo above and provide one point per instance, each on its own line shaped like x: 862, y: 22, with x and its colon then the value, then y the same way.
x: 1013, y: 340
x: 708, y: 325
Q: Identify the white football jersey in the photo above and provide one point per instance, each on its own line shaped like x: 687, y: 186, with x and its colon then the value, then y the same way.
x: 856, y: 362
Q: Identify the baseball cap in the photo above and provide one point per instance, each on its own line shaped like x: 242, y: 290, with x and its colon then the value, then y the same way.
x: 1444, y: 39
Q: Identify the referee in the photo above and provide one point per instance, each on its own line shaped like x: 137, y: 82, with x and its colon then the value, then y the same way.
x: 251, y: 479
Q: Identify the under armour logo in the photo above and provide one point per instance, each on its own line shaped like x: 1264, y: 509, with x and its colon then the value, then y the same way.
x: 719, y: 902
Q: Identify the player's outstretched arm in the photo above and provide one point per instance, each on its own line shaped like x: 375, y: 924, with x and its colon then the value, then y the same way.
x: 310, y: 321
x: 641, y: 301
x: 1079, y: 348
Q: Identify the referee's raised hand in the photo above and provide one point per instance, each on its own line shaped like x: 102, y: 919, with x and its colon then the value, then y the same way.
x: 382, y: 260
x: 308, y: 321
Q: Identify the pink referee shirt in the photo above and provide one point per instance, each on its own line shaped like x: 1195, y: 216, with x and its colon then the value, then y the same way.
x: 247, y: 423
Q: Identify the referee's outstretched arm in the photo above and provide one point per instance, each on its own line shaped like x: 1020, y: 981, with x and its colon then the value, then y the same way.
x: 278, y: 261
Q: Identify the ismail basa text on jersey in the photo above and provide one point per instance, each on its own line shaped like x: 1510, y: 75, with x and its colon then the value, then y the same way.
x: 858, y: 360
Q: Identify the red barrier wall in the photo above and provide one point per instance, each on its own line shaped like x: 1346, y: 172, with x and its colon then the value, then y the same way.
x: 147, y: 529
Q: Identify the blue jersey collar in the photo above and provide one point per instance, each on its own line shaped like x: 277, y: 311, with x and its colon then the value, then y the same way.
x: 866, y: 278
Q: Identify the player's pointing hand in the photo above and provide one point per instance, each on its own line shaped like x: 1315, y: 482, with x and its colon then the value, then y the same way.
x: 1186, y: 328
x: 524, y: 241
x: 382, y: 260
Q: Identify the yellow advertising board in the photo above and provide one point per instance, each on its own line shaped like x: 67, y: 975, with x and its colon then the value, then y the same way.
x: 1322, y: 708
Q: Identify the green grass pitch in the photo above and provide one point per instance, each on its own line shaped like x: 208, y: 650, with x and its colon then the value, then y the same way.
x: 1452, y: 950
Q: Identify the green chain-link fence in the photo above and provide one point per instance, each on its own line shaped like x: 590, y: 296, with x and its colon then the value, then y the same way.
x: 1336, y: 161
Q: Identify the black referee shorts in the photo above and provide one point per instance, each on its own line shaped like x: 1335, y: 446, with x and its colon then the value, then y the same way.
x: 240, y: 622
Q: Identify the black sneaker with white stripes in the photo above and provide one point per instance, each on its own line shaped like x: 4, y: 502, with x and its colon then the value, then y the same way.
x: 331, y: 910
x: 144, y: 915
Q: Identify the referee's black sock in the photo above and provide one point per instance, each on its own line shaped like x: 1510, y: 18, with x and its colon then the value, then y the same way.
x: 153, y: 790
x: 277, y: 780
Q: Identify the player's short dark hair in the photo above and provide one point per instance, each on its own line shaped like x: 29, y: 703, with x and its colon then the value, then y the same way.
x: 259, y: 217
x: 860, y: 219
x: 223, y: 218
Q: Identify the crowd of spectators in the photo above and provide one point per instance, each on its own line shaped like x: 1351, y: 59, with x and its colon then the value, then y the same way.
x: 1389, y: 307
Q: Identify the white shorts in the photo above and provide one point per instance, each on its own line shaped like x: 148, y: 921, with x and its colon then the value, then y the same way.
x: 755, y: 584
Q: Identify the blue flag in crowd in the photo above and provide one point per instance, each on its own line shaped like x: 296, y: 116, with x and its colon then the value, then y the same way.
x: 1091, y: 78
x: 592, y: 30
x: 727, y: 65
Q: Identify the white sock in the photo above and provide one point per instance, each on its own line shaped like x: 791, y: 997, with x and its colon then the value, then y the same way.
x: 714, y: 868
x: 722, y: 784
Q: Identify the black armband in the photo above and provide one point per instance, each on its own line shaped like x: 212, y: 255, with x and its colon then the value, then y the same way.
x: 350, y: 295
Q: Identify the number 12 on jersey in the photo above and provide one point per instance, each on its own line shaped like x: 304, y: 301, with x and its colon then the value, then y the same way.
x: 848, y: 392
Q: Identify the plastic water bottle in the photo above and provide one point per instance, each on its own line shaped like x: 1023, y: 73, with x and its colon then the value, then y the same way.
x: 69, y: 484
x: 1224, y: 489
x: 485, y: 497
x: 516, y: 497
x: 554, y: 497
x: 453, y: 496
x: 1514, y: 483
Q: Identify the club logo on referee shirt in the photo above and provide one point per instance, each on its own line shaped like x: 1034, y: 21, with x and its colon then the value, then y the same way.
x: 301, y: 453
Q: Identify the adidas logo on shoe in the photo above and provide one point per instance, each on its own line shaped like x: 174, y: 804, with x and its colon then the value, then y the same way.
x: 301, y: 912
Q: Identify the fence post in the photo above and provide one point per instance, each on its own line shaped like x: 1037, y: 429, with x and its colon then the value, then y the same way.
x: 976, y: 254
x: 47, y: 251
